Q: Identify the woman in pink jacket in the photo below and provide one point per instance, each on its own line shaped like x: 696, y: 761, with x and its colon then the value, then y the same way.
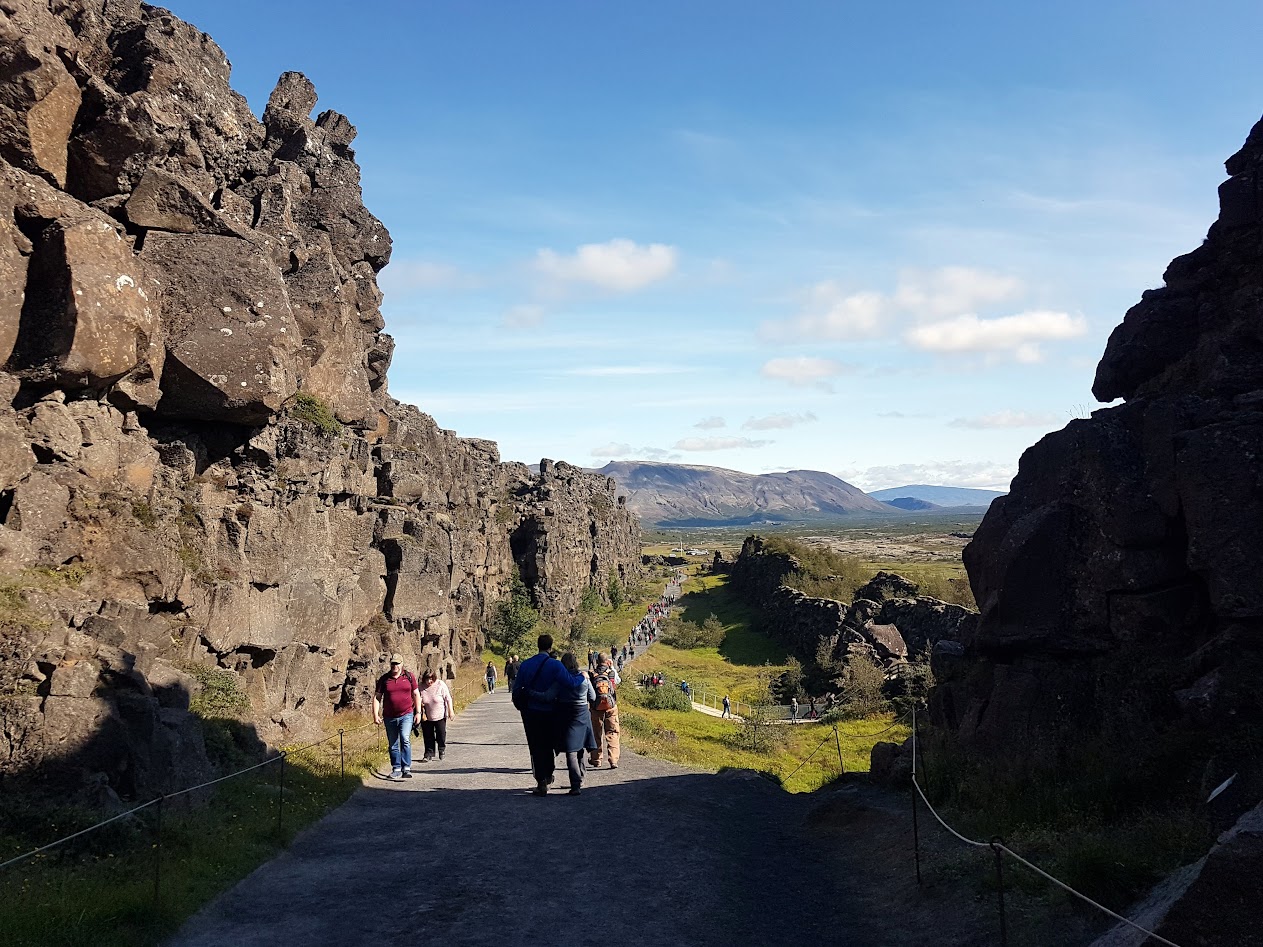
x: 436, y: 701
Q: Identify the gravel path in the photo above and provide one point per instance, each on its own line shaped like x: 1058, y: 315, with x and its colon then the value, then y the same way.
x: 463, y: 854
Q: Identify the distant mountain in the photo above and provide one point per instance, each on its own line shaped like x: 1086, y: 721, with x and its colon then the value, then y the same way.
x: 911, y: 504
x: 939, y: 496
x: 687, y: 495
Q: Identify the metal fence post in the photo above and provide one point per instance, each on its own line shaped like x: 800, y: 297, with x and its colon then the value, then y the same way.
x: 280, y: 802
x: 916, y: 831
x: 341, y: 756
x: 838, y: 739
x: 999, y: 875
x: 157, y: 855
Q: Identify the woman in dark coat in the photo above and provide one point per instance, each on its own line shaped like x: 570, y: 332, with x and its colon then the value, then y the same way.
x: 572, y: 695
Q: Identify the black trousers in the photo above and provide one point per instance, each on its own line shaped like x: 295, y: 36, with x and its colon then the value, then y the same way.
x: 435, y: 734
x: 540, y: 730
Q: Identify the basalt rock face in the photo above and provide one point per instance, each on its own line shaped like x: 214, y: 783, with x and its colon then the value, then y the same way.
x: 200, y: 467
x: 1118, y: 580
x: 888, y: 621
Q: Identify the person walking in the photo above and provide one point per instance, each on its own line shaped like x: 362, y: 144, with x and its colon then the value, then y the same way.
x: 793, y: 709
x: 510, y: 670
x: 727, y: 708
x: 572, y: 695
x: 396, y: 703
x: 436, y: 701
x: 534, y: 678
x: 604, y: 713
x: 491, y: 678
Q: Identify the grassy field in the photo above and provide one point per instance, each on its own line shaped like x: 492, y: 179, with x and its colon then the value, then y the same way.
x: 99, y: 890
x: 699, y: 740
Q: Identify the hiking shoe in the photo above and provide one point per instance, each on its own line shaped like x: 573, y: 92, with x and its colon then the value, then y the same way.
x: 395, y: 774
x: 441, y: 752
x: 407, y: 774
x: 427, y: 759
x: 574, y: 792
x: 540, y: 790
x: 613, y: 765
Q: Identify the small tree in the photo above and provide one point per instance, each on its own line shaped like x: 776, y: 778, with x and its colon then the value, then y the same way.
x: 862, y: 689
x: 515, y: 617
x: 615, y: 592
x: 590, y: 603
x: 757, y: 732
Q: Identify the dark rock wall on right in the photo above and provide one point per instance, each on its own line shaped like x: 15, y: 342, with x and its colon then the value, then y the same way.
x: 1120, y: 582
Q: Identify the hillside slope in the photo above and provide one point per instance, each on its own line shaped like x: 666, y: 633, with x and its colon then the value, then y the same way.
x: 684, y: 495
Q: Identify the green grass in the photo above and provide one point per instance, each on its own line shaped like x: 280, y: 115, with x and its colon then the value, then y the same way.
x: 705, y: 742
x: 99, y: 890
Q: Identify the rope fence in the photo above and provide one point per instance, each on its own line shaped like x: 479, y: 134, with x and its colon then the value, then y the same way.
x: 159, y: 801
x: 999, y: 849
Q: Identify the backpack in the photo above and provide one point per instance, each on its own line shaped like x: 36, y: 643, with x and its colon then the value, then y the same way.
x: 606, y: 699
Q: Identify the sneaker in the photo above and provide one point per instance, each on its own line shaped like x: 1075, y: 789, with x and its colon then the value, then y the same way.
x: 540, y: 790
x: 441, y: 752
x: 395, y: 774
x: 613, y: 765
x: 407, y: 774
x: 574, y: 792
x: 427, y: 759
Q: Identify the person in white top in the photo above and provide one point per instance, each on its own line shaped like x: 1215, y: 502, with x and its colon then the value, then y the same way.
x: 436, y: 703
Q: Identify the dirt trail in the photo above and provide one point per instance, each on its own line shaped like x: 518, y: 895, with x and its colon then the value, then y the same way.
x: 463, y: 854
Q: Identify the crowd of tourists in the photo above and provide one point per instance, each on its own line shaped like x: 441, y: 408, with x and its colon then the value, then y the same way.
x: 564, y: 708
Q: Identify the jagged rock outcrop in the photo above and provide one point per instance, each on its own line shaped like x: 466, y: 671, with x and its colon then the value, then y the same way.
x: 200, y: 466
x: 887, y: 621
x: 1118, y: 580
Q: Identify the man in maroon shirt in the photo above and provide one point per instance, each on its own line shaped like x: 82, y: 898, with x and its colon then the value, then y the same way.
x: 395, y: 702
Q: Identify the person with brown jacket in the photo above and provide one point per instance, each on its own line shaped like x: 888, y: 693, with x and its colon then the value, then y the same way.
x: 604, y: 711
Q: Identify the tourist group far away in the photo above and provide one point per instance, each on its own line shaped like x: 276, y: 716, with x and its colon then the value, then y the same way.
x: 564, y: 708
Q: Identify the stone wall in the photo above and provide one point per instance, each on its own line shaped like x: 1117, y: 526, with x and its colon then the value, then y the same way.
x: 200, y: 466
x: 1118, y: 580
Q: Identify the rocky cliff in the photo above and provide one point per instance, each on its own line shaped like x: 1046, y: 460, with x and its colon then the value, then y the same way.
x: 1119, y: 580
x: 887, y: 620
x: 200, y: 466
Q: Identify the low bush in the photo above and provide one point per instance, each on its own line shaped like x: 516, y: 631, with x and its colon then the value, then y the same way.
x: 307, y: 407
x: 665, y: 697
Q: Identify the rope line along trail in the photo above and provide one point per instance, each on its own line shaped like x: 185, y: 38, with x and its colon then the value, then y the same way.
x: 999, y: 848
x: 159, y: 800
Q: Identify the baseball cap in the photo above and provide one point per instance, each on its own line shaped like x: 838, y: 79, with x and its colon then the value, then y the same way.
x: 396, y: 658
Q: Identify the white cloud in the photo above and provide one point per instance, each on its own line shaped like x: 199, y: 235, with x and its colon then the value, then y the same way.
x: 1018, y: 335
x: 832, y: 313
x: 1006, y: 419
x: 952, y: 290
x: 525, y: 316
x: 621, y: 451
x: 618, y: 265
x: 804, y: 370
x: 709, y: 424
x: 718, y: 443
x: 776, y: 421
x: 985, y: 475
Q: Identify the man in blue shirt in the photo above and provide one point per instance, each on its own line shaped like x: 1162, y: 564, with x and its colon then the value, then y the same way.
x: 536, y: 675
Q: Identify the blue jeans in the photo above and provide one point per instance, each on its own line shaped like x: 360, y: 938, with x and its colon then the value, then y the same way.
x: 399, y: 736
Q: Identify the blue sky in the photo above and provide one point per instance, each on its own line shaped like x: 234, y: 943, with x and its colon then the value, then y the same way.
x: 883, y: 240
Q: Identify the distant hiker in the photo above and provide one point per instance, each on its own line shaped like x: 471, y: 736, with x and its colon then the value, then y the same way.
x: 591, y: 659
x: 604, y: 713
x: 571, y: 694
x: 727, y: 707
x: 491, y: 678
x: 793, y: 709
x: 396, y: 702
x: 510, y: 670
x: 811, y: 710
x: 536, y: 675
x: 436, y: 701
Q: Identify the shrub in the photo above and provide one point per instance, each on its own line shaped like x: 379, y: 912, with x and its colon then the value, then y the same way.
x: 666, y: 697
x: 687, y: 635
x: 757, y: 733
x: 144, y: 514
x: 310, y: 409
x: 220, y: 695
x: 615, y: 592
x: 862, y: 688
x: 590, y: 603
